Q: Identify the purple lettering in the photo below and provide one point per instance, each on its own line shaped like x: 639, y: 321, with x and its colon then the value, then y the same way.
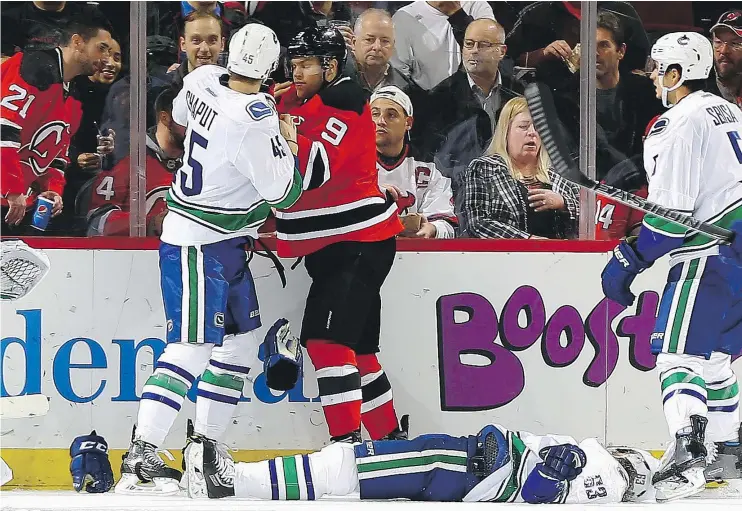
x: 568, y: 320
x: 603, y: 339
x: 638, y: 328
x: 474, y: 387
x: 514, y: 337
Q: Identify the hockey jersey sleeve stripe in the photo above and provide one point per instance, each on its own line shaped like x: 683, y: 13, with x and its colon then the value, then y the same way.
x: 292, y: 194
x: 318, y: 167
x: 10, y: 135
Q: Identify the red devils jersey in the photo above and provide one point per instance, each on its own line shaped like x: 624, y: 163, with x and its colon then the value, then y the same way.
x: 38, y: 118
x: 342, y: 200
x: 614, y: 220
x: 109, y: 206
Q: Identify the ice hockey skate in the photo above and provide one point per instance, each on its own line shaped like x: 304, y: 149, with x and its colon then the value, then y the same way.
x: 681, y: 472
x: 209, y: 469
x: 144, y: 471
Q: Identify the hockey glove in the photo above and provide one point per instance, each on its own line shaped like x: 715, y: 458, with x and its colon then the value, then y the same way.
x: 547, y: 481
x: 283, y: 360
x: 620, y: 272
x: 732, y: 253
x: 90, y: 464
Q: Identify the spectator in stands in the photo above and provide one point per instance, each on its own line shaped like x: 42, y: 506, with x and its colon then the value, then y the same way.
x: 625, y: 101
x: 460, y: 114
x: 429, y: 36
x: 372, y: 49
x: 109, y: 193
x: 202, y: 42
x: 512, y: 191
x: 29, y: 26
x: 86, y: 150
x: 421, y: 191
x: 726, y: 38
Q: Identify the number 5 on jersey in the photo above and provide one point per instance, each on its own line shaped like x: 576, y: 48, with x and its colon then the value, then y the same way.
x: 191, y: 173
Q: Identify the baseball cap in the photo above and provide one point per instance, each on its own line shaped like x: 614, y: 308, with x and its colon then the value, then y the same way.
x: 731, y: 20
x: 394, y: 93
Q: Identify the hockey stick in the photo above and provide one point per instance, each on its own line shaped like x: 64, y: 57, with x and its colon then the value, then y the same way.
x: 546, y: 122
x: 19, y: 407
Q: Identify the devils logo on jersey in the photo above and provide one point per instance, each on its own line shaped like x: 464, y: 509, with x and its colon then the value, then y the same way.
x: 48, y: 143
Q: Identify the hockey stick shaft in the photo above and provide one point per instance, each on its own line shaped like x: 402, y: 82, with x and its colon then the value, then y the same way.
x: 545, y: 120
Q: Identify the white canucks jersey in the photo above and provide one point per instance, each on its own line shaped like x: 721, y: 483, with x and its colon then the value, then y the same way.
x: 602, y: 480
x: 693, y: 159
x: 429, y: 192
x: 236, y: 164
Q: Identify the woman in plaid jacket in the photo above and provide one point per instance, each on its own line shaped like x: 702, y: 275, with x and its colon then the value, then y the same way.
x: 511, y: 191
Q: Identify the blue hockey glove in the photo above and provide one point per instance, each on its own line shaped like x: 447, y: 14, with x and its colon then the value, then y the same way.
x: 283, y: 357
x: 90, y: 464
x: 732, y: 254
x: 620, y: 272
x: 547, y: 481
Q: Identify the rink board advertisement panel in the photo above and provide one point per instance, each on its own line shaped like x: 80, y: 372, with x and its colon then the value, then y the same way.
x: 525, y: 339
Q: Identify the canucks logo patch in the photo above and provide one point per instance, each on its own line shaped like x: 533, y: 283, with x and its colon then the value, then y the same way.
x: 659, y: 126
x: 258, y: 110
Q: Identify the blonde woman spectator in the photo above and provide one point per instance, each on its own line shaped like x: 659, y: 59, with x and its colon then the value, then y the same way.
x: 512, y: 191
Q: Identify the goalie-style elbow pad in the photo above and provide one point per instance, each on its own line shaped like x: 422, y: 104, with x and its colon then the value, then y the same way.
x: 283, y: 360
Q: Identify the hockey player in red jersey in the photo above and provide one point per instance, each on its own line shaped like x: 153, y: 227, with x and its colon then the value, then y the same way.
x: 345, y: 226
x: 109, y: 207
x: 39, y: 114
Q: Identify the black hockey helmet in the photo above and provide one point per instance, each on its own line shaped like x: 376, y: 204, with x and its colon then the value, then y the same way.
x: 323, y: 42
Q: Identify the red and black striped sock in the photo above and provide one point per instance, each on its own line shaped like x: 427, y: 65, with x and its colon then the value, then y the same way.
x: 377, y: 410
x: 339, y: 385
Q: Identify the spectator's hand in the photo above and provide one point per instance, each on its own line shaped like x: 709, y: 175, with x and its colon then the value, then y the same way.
x: 427, y: 229
x: 544, y: 200
x: 173, y: 68
x: 348, y: 35
x: 106, y: 142
x: 395, y: 192
x: 281, y: 88
x: 154, y: 226
x: 88, y: 161
x: 447, y: 8
x: 16, y: 208
x: 558, y: 49
x: 53, y: 196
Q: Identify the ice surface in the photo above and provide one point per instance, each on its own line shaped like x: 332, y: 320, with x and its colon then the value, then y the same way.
x: 18, y: 500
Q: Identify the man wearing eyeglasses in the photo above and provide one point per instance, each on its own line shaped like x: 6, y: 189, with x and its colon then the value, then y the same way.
x: 460, y: 113
x: 726, y: 38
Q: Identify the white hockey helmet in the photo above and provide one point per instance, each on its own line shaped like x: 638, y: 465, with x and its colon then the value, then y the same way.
x: 640, y: 466
x: 689, y: 50
x: 253, y: 52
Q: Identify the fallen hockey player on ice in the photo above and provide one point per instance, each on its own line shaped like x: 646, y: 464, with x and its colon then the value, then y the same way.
x: 495, y: 465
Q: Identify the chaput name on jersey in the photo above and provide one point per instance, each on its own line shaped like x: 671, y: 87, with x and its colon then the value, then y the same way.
x: 721, y: 114
x: 200, y: 111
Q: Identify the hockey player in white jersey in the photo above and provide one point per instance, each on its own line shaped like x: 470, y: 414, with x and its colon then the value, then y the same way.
x: 494, y: 465
x: 421, y: 189
x: 693, y: 159
x: 237, y: 165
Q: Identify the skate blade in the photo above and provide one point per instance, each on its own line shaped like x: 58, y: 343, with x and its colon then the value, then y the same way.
x: 667, y: 491
x: 194, y: 477
x: 129, y: 484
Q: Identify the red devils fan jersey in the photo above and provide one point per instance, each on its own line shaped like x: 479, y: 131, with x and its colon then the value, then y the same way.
x: 342, y: 200
x: 38, y: 116
x: 614, y: 220
x: 109, y: 206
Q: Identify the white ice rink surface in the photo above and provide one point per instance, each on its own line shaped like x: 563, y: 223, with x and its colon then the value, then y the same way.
x: 18, y: 500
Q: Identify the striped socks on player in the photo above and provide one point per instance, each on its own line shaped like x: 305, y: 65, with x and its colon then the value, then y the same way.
x: 219, y: 392
x: 291, y: 478
x: 377, y: 408
x: 339, y: 385
x: 683, y: 389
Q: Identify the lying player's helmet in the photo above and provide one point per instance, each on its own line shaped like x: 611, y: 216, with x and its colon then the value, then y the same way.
x: 253, y: 52
x: 325, y: 43
x: 638, y: 465
x: 689, y: 50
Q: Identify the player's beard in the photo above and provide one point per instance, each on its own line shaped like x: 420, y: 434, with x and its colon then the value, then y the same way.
x: 732, y: 69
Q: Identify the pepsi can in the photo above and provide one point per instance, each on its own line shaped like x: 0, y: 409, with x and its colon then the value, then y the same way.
x: 42, y: 214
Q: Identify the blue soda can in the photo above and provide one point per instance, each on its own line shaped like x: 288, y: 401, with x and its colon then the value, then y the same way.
x: 42, y: 214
